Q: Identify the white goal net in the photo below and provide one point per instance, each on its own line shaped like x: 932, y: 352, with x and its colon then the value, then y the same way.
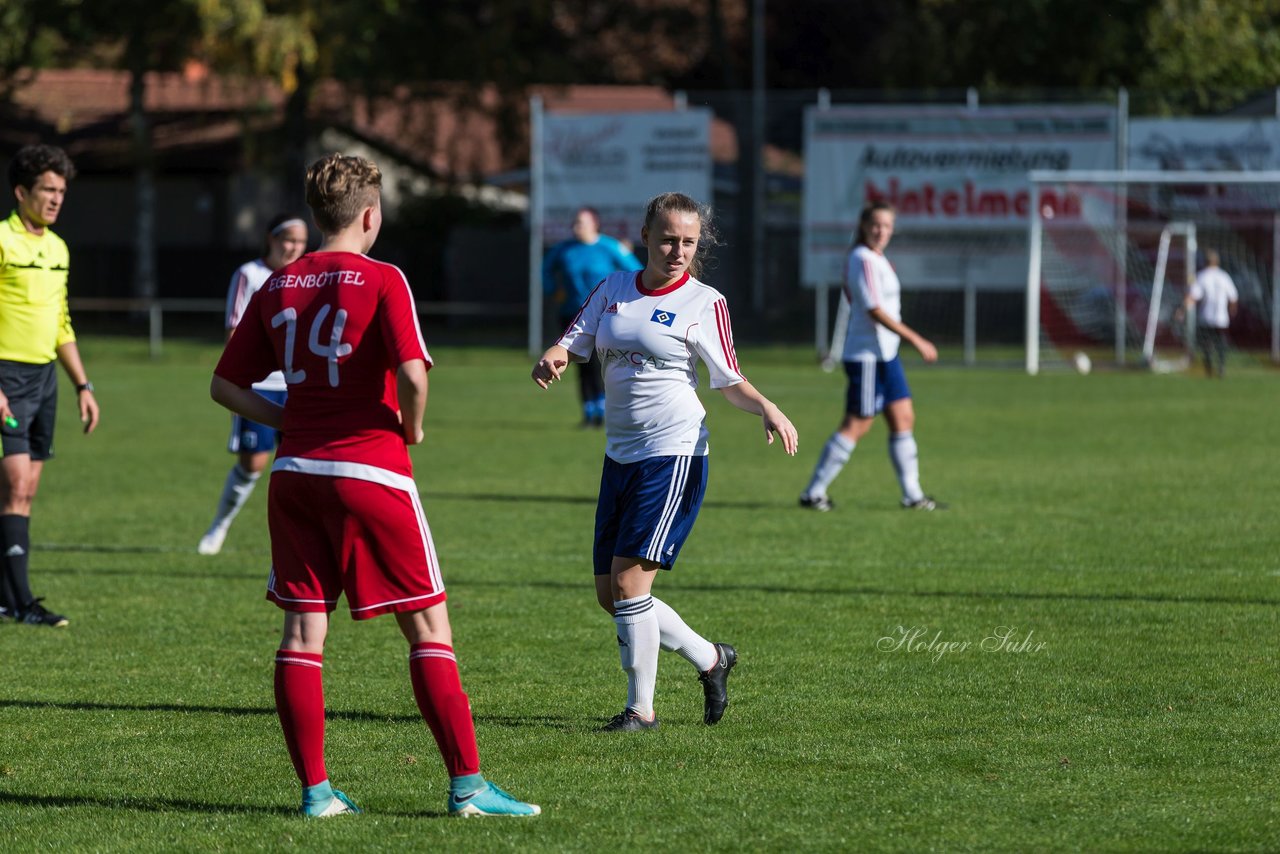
x: 1112, y: 255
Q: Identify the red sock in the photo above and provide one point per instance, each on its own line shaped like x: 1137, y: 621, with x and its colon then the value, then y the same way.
x: 300, y: 704
x: 438, y: 690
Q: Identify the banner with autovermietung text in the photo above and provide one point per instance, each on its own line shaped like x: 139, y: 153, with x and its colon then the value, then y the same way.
x: 957, y: 177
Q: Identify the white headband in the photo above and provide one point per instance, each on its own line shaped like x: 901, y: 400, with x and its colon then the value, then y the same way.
x: 288, y: 223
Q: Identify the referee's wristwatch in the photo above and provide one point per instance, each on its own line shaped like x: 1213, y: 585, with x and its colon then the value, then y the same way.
x: 84, y: 386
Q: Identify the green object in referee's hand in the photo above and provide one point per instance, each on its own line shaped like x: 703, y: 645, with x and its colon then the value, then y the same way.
x: 11, y: 422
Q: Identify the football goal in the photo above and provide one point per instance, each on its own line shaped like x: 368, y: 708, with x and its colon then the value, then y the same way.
x: 1112, y: 254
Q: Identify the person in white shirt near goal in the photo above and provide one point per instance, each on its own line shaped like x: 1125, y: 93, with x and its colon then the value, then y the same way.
x: 1215, y: 293
x: 650, y: 329
x: 877, y: 382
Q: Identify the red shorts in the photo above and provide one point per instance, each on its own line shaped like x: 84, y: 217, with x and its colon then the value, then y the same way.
x: 334, y: 535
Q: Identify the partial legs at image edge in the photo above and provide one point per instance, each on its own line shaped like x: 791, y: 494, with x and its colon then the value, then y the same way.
x: 16, y: 599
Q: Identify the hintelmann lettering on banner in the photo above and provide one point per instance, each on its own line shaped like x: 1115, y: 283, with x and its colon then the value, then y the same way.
x: 615, y: 162
x: 957, y: 176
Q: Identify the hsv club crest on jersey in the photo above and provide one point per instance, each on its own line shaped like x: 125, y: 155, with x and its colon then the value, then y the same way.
x: 649, y: 343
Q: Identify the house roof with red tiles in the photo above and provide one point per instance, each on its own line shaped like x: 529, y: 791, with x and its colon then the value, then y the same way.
x: 203, y: 122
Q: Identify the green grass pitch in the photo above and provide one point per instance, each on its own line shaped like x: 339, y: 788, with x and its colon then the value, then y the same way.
x: 1122, y: 527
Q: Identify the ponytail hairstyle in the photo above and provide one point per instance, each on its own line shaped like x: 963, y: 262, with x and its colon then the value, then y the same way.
x: 708, y: 237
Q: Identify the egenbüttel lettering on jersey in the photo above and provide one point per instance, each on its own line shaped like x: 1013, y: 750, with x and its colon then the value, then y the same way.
x: 316, y: 280
x: 337, y: 324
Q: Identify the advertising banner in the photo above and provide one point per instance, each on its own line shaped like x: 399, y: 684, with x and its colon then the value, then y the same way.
x: 957, y: 177
x: 1241, y: 145
x: 616, y: 162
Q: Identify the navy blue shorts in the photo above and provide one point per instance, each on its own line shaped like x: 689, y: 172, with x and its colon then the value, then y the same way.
x: 33, y: 398
x: 250, y: 437
x: 647, y: 509
x: 873, y: 385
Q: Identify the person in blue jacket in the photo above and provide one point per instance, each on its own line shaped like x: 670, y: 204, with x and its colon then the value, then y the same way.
x: 570, y: 272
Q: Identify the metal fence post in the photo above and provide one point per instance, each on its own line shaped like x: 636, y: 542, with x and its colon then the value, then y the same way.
x: 156, y: 317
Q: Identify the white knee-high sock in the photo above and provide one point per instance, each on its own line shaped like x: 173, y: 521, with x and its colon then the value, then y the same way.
x: 832, y: 459
x: 677, y: 637
x: 235, y: 492
x: 906, y: 462
x: 638, y: 644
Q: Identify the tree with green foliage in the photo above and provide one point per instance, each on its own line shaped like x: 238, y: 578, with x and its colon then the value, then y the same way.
x: 29, y: 38
x: 1214, y: 47
x: 134, y: 36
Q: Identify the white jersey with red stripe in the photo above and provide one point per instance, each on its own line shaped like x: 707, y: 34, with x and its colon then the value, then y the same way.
x: 649, y: 343
x: 870, y: 282
x: 245, y: 282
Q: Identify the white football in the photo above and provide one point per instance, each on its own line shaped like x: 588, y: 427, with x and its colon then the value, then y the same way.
x: 1082, y: 363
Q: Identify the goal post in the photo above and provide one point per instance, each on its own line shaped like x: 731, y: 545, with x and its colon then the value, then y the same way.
x: 1111, y: 254
x: 1156, y: 309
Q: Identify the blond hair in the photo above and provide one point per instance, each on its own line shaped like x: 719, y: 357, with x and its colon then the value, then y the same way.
x: 708, y: 238
x: 339, y: 187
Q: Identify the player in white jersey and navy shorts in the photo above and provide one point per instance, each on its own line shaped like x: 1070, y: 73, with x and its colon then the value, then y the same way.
x: 650, y: 329
x: 286, y: 240
x: 877, y: 382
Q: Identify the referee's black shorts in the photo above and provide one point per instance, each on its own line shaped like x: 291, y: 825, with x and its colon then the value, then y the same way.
x: 33, y: 398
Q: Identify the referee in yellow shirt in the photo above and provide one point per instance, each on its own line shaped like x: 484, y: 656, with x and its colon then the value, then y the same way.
x: 35, y: 331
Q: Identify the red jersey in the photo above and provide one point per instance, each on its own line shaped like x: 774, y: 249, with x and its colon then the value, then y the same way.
x: 338, y: 325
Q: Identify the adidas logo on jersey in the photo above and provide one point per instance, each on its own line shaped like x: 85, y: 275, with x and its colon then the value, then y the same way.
x: 612, y: 309
x: 15, y: 551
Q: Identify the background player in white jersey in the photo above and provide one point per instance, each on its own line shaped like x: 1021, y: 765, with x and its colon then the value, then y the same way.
x: 649, y: 330
x: 877, y: 382
x: 286, y: 240
x: 1215, y: 294
x: 252, y: 442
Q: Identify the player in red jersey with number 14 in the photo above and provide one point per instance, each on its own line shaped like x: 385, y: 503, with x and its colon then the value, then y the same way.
x: 343, y: 508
